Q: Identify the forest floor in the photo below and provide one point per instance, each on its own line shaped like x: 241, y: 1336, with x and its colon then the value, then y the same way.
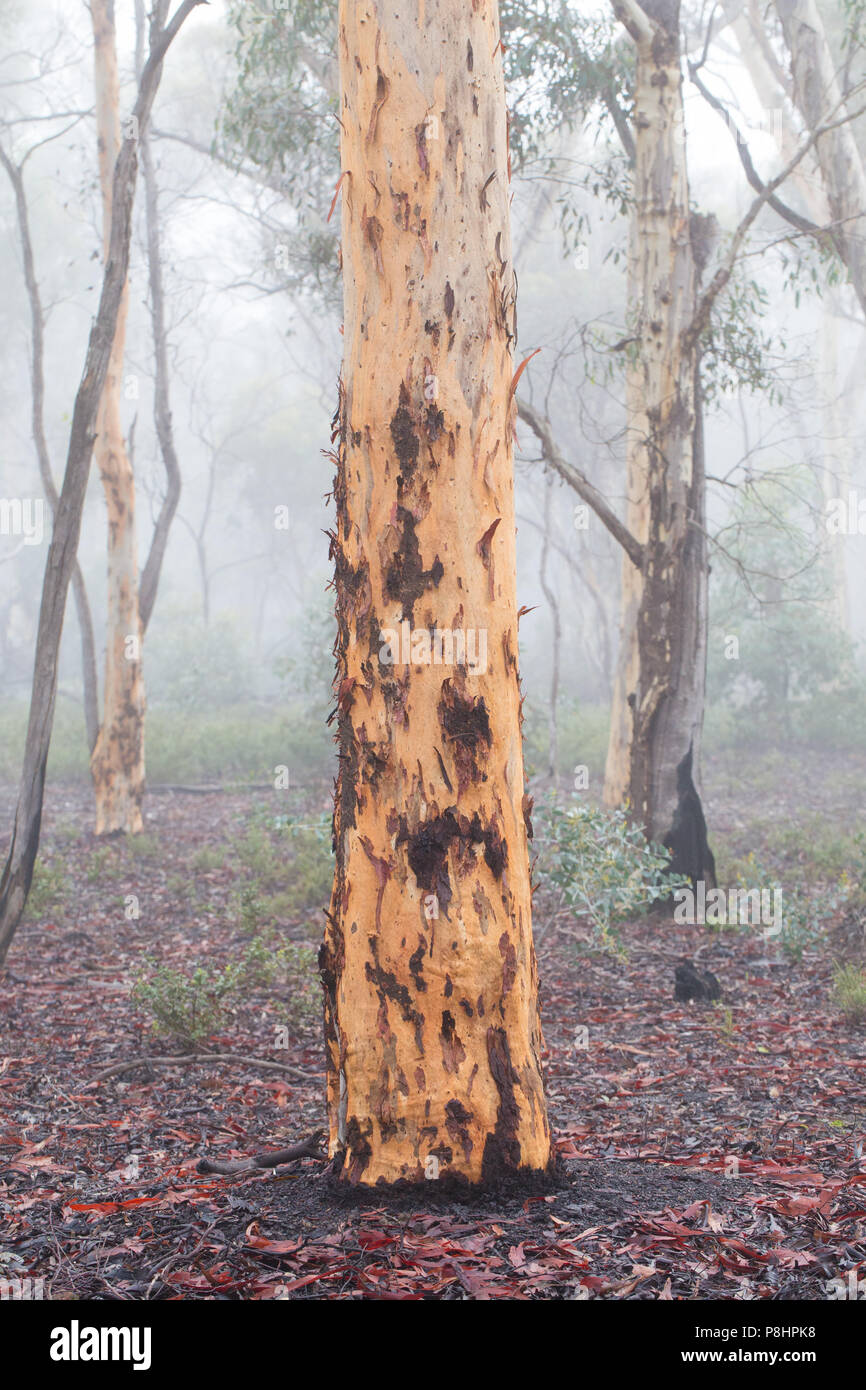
x: 705, y: 1151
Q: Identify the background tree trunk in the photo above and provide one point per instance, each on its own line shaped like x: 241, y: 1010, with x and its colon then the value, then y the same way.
x: 90, y: 682
x: 18, y: 869
x: 117, y: 763
x: 434, y: 1041
x: 556, y: 634
x: 161, y: 398
x: 659, y: 688
x: 818, y: 97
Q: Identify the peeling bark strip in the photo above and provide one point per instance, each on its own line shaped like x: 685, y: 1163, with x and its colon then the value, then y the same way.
x: 117, y: 761
x: 432, y: 1029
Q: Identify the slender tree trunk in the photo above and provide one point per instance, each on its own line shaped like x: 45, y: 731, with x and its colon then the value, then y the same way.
x: 18, y: 869
x: 659, y: 688
x: 835, y: 470
x: 818, y: 97
x: 773, y: 88
x: 117, y: 763
x: 161, y: 399
x: 90, y: 682
x: 556, y: 633
x: 433, y: 1036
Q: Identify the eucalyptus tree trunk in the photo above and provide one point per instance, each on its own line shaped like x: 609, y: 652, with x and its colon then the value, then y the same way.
x: 117, y: 761
x: 162, y: 420
x: 659, y: 688
x: 819, y: 99
x: 90, y: 680
x: 17, y: 873
x: 432, y: 1028
x: 556, y: 635
x: 835, y: 469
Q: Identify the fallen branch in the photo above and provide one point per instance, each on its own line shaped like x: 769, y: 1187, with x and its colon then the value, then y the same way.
x: 307, y: 1148
x: 204, y: 789
x: 191, y: 1058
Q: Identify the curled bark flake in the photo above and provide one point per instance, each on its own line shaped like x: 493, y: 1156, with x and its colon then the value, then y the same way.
x: 382, y: 88
x: 383, y: 871
x: 486, y: 554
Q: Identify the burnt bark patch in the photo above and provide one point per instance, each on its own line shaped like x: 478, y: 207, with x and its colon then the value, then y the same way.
x: 372, y: 759
x: 495, y: 850
x: 502, y: 1147
x: 687, y: 838
x: 427, y: 854
x: 394, y: 693
x: 434, y: 423
x: 405, y: 576
x: 388, y: 987
x: 428, y: 847
x: 457, y: 1120
x: 359, y: 1151
x: 347, y: 778
x: 453, y: 1051
x: 509, y: 963
x: 465, y: 724
x: 352, y: 584
x: 416, y: 965
x: 405, y: 439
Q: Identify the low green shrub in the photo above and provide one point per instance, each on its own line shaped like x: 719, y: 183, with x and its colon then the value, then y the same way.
x: 601, y: 864
x: 48, y: 889
x: 849, y: 992
x: 187, y: 1008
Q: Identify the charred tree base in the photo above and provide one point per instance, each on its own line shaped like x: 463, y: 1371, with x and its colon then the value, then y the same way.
x: 448, y: 1188
x: 691, y: 856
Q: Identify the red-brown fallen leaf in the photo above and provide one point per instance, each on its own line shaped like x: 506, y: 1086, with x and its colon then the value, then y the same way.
x: 796, y: 1206
x: 374, y: 1240
x: 273, y: 1247
x: 337, y: 1269
x: 703, y: 1212
x: 793, y: 1257
x: 120, y: 1205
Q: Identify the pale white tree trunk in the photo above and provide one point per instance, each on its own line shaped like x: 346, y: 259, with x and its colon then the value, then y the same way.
x: 117, y: 762
x: 818, y: 98
x: 657, y: 711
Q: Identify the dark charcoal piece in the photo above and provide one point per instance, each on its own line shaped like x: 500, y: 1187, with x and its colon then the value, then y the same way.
x: 695, y: 984
x: 691, y: 856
